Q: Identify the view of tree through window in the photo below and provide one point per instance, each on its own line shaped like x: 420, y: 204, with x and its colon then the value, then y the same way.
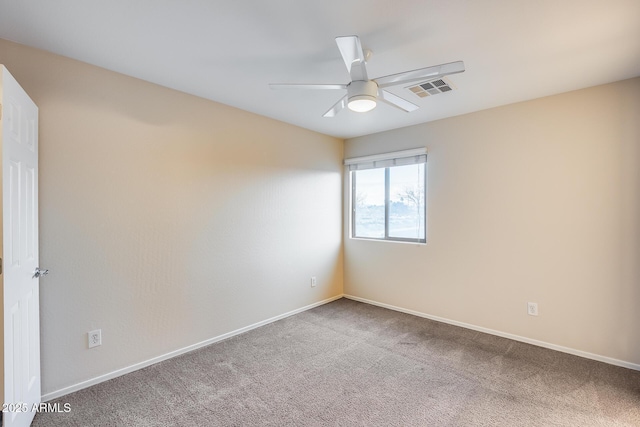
x: 389, y: 203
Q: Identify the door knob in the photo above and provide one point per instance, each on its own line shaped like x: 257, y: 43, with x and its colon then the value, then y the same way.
x: 39, y: 273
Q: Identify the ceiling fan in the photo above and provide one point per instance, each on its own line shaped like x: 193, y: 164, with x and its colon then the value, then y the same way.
x: 362, y: 92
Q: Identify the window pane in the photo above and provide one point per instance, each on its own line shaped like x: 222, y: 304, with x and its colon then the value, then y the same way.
x: 407, y: 202
x: 368, y: 203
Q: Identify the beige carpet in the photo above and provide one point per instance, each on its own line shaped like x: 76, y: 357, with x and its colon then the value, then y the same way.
x: 352, y: 364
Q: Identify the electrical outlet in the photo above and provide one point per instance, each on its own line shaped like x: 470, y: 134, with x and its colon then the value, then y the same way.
x: 532, y: 308
x: 94, y: 338
x: 313, y: 281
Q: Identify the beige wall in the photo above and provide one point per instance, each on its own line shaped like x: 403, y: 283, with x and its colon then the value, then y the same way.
x: 166, y: 219
x: 537, y: 201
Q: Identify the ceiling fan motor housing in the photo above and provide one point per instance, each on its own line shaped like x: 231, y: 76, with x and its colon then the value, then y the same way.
x: 362, y: 95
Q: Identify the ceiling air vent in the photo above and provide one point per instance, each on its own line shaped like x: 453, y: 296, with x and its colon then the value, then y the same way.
x: 432, y: 87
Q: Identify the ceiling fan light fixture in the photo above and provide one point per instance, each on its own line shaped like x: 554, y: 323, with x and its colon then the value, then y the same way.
x: 362, y: 96
x: 362, y: 103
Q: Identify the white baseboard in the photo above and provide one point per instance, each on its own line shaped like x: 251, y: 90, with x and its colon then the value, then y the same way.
x: 93, y: 381
x: 568, y: 350
x: 119, y: 372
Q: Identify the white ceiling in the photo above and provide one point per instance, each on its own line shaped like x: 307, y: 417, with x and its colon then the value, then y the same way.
x: 228, y: 51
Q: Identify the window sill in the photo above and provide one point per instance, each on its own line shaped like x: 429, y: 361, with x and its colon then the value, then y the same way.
x: 388, y: 241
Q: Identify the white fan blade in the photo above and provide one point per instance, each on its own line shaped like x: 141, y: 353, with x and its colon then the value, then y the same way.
x: 428, y: 73
x: 353, y: 57
x: 339, y: 106
x: 396, y: 101
x: 305, y: 86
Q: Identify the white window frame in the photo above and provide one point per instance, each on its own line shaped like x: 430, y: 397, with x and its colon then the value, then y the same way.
x: 386, y: 161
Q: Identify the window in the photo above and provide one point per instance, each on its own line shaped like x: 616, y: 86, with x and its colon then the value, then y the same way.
x: 388, y: 196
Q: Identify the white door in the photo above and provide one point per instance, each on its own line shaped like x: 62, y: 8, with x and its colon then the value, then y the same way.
x: 19, y: 141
